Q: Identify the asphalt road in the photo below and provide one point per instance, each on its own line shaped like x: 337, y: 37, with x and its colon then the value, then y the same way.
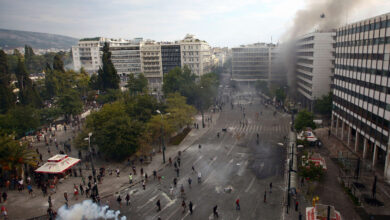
x: 234, y: 160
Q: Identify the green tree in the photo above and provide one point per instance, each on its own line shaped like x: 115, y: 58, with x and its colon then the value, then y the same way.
x: 180, y: 112
x: 70, y: 103
x: 141, y: 107
x: 14, y: 156
x: 137, y: 84
x: 304, y: 119
x: 179, y: 80
x: 28, y: 94
x: 58, y: 64
x: 107, y: 76
x: 324, y: 104
x: 111, y: 95
x: 21, y: 120
x: 7, y: 98
x: 115, y: 133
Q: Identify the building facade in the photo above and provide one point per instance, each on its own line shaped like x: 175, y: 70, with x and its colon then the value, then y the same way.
x: 87, y: 54
x: 126, y: 56
x: 151, y: 64
x: 171, y: 56
x: 251, y: 63
x: 314, y: 66
x: 195, y: 54
x: 361, y: 90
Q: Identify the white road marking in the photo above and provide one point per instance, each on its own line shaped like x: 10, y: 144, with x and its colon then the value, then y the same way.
x: 214, y: 159
x: 238, y: 218
x: 242, y: 169
x: 172, y: 213
x: 250, y: 185
x: 199, y: 158
x: 150, y: 200
x: 209, y: 176
x: 231, y: 161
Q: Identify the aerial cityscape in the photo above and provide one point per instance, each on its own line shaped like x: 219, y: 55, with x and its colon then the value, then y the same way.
x: 165, y: 110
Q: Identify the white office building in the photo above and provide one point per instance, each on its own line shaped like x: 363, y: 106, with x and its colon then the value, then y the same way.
x: 361, y: 90
x: 151, y: 64
x: 196, y: 54
x: 251, y: 63
x: 87, y: 54
x: 314, y: 66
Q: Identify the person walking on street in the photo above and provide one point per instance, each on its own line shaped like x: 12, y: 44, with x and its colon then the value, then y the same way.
x: 174, y: 182
x: 170, y: 161
x: 238, y: 204
x: 142, y: 171
x: 296, y: 205
x: 154, y: 174
x: 117, y: 172
x: 193, y: 169
x: 130, y: 178
x: 119, y: 200
x: 175, y: 165
x: 177, y: 172
x: 183, y: 204
x: 215, y: 211
x: 127, y: 199
x: 265, y: 196
x: 158, y: 205
x: 178, y: 161
x: 144, y: 185
x: 270, y: 187
x: 134, y: 170
x: 189, y: 181
x: 190, y: 207
x: 66, y: 196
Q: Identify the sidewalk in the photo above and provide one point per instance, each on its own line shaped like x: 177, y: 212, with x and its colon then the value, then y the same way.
x: 21, y: 206
x: 334, y: 146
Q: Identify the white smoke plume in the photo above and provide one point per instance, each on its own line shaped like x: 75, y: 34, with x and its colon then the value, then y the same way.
x: 322, y: 15
x: 87, y: 210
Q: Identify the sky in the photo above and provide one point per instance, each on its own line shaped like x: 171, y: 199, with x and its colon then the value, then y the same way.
x: 219, y: 22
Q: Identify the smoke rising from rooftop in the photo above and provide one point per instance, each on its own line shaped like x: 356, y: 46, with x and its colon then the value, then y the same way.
x: 322, y: 15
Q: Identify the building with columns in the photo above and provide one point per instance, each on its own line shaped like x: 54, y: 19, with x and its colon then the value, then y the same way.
x: 361, y: 89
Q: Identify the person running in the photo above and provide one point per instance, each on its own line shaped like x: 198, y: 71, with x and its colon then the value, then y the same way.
x: 215, y: 211
x: 127, y: 199
x: 238, y: 204
x: 158, y: 204
x: 190, y: 206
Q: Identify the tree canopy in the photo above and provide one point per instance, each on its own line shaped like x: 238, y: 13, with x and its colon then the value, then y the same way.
x: 137, y: 84
x: 324, y: 105
x: 7, y: 97
x: 107, y: 75
x: 304, y: 119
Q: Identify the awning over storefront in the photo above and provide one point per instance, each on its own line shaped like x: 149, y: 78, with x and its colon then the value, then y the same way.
x: 58, y: 164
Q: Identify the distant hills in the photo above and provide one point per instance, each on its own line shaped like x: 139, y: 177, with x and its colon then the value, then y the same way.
x: 10, y: 39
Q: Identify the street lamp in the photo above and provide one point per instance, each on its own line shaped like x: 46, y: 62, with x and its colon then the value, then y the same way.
x: 93, y: 167
x: 162, y: 134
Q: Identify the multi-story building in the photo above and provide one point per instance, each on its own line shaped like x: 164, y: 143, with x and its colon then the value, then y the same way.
x: 314, y: 66
x: 87, y: 54
x: 361, y: 90
x: 278, y: 73
x: 125, y: 55
x: 196, y: 54
x: 170, y: 55
x: 251, y: 63
x: 151, y: 64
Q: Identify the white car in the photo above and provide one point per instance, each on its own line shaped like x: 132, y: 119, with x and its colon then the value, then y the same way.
x: 308, y: 135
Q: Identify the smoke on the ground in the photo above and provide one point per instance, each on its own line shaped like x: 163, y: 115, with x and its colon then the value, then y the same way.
x: 322, y: 15
x: 87, y: 210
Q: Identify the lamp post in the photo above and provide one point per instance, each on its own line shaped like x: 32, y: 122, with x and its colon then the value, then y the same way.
x: 93, y: 167
x: 162, y: 134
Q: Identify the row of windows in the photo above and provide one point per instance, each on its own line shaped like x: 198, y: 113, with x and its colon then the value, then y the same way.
x: 365, y: 84
x: 369, y: 56
x: 305, y: 90
x: 361, y: 96
x: 304, y: 82
x: 123, y: 48
x: 308, y: 69
x: 363, y: 126
x: 307, y: 61
x: 309, y: 77
x: 306, y: 39
x: 364, y: 42
x: 367, y: 27
x: 306, y: 54
x: 364, y: 70
x: 306, y: 46
x: 256, y: 59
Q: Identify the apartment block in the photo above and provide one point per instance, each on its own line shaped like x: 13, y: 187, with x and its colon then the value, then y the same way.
x: 314, y: 66
x: 151, y: 64
x: 361, y: 90
x: 171, y: 56
x: 87, y: 54
x: 196, y: 54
